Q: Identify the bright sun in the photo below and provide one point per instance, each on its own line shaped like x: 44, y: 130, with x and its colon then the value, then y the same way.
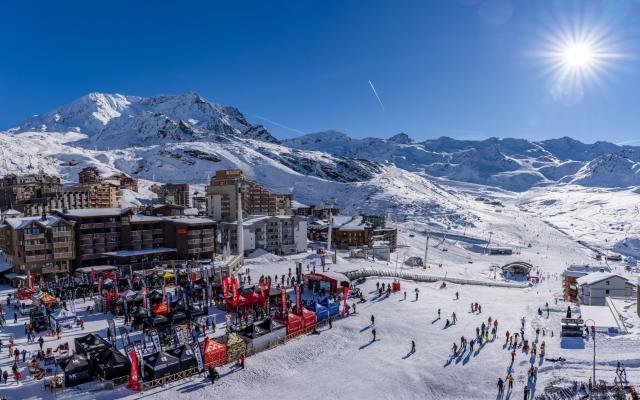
x: 577, y: 55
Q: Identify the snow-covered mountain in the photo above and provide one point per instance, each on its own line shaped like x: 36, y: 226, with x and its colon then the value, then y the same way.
x: 512, y: 164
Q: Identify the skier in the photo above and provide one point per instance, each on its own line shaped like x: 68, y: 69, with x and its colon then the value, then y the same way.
x: 372, y: 320
x: 500, y: 386
x: 457, y: 296
x: 471, y: 342
x: 526, y: 393
x: 455, y: 349
x: 438, y: 313
x: 373, y: 332
x: 513, y: 356
x: 446, y: 325
x: 413, y: 347
x: 454, y: 318
x: 506, y: 336
x: 510, y: 381
x: 405, y: 295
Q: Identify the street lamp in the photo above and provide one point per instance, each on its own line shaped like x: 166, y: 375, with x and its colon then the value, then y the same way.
x: 593, y: 332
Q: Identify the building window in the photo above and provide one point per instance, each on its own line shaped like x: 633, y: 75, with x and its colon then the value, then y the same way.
x: 606, y: 291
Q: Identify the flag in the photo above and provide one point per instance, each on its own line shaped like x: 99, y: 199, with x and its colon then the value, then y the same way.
x: 283, y: 299
x: 133, y: 372
x: 100, y: 286
x: 225, y: 286
x: 345, y: 292
x: 298, y: 303
x: 93, y: 275
x: 234, y: 288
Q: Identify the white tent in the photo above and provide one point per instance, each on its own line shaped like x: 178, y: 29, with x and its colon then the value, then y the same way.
x: 63, y: 319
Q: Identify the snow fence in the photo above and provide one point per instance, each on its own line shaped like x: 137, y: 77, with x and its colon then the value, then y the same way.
x: 368, y: 272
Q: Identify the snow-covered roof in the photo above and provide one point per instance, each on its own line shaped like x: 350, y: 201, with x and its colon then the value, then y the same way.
x: 188, y: 220
x: 596, y: 277
x: 145, y: 218
x: 10, y: 212
x: 143, y: 252
x: 22, y: 222
x: 346, y: 223
x: 95, y: 212
x: 297, y: 204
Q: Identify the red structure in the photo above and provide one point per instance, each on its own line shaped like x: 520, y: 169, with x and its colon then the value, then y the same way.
x: 213, y: 353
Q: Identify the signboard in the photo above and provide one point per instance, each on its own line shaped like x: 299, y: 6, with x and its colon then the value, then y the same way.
x: 155, y: 339
x: 133, y: 372
x: 112, y: 330
x: 124, y: 335
x: 196, y: 351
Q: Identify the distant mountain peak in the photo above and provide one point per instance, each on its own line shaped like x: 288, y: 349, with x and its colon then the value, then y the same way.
x: 400, y: 138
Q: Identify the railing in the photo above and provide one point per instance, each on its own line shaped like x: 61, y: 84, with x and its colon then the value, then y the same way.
x: 168, y: 379
x: 365, y: 273
x: 63, y: 255
x: 118, y: 381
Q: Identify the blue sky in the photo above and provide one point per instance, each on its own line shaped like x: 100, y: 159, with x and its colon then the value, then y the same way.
x: 462, y: 68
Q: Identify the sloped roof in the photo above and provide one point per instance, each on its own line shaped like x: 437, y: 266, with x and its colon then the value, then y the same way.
x: 596, y: 277
x: 23, y: 222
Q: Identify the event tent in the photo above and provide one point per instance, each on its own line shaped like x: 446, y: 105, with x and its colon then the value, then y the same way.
x: 264, y: 334
x: 111, y: 364
x: 186, y: 357
x: 214, y: 353
x: 334, y: 308
x: 77, y: 370
x: 90, y: 344
x: 63, y: 319
x: 159, y: 365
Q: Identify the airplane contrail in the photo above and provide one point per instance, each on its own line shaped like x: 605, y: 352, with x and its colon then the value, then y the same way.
x: 272, y: 122
x: 375, y: 92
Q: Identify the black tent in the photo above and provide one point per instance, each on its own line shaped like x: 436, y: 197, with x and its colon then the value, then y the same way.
x: 155, y: 297
x: 90, y: 344
x: 159, y: 365
x: 156, y: 321
x: 111, y: 364
x: 177, y: 316
x: 77, y: 370
x: 186, y: 356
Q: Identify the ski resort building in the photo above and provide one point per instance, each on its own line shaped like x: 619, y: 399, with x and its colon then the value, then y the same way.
x: 280, y: 234
x: 38, y: 245
x: 222, y: 197
x: 571, y: 275
x: 173, y: 193
x: 594, y: 288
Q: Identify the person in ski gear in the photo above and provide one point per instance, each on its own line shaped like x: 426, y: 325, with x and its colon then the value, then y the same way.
x: 372, y: 320
x: 373, y: 332
x: 500, y: 386
x: 413, y: 346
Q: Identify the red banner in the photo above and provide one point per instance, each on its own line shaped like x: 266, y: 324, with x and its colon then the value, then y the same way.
x: 283, y: 299
x: 93, y: 275
x: 345, y: 293
x: 269, y: 284
x: 99, y: 286
x: 133, y: 373
x: 298, y: 303
x: 225, y: 286
x: 234, y: 291
x: 263, y: 292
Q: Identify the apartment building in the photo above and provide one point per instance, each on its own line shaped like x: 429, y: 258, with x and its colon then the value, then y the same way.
x: 15, y: 190
x: 192, y: 237
x: 66, y: 198
x: 222, y: 200
x: 101, y: 195
x: 98, y: 231
x: 279, y: 234
x: 173, y: 193
x: 89, y: 175
x: 594, y: 288
x: 38, y: 245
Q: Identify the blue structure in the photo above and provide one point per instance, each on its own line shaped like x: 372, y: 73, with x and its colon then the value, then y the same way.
x: 322, y: 312
x: 334, y: 309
